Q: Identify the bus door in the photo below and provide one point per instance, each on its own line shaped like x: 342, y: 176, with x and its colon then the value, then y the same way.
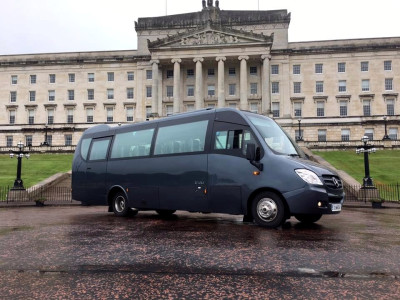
x: 96, y: 169
x: 230, y: 173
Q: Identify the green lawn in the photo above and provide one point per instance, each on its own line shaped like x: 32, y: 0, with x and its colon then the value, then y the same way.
x: 384, y: 164
x: 34, y: 169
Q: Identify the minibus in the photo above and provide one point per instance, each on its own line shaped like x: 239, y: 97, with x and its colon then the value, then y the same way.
x: 212, y: 160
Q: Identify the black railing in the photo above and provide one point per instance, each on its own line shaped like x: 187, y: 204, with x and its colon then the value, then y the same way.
x: 39, y: 195
x: 382, y: 192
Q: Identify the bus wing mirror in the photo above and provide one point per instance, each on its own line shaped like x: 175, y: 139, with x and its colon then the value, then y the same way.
x: 253, y: 155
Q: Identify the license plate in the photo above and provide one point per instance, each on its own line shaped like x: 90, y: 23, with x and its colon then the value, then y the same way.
x: 336, y: 207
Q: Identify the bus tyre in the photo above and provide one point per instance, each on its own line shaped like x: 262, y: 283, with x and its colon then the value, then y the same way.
x: 308, y: 219
x: 268, y: 210
x: 120, y: 205
x: 165, y: 212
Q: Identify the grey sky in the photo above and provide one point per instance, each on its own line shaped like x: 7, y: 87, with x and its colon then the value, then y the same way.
x: 43, y: 26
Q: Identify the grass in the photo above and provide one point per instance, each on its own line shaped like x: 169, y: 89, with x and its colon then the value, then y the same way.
x: 35, y: 169
x: 384, y: 164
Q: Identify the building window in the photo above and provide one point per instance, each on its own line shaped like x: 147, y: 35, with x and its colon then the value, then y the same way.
x: 129, y: 93
x: 190, y: 90
x: 33, y: 79
x: 13, y: 97
x: 390, y: 107
x: 169, y: 109
x: 70, y: 116
x: 170, y: 91
x: 297, y: 109
x: 253, y: 70
x: 50, y: 116
x: 68, y: 139
x: 232, y: 105
x: 254, y: 107
x: 364, y: 66
x: 9, y: 140
x: 71, y: 95
x: 129, y: 114
x: 253, y: 88
x: 341, y: 67
x: 71, y: 77
x: 211, y: 90
x: 31, y: 117
x: 321, y: 135
x: 91, y: 77
x: 52, y: 78
x: 274, y: 69
x: 275, y: 109
x: 170, y: 73
x: 149, y: 74
x: 367, y: 107
x: 342, y: 86
x: 297, y: 87
x: 232, y: 89
x: 387, y: 65
x: 110, y: 114
x: 296, y: 69
x: 52, y: 95
x: 343, y: 108
x: 49, y: 140
x: 393, y: 133
x: 318, y: 68
x: 275, y: 87
x: 89, y: 115
x: 12, y: 117
x: 345, y: 135
x: 388, y: 84
x: 90, y: 94
x: 148, y: 112
x: 298, y: 135
x: 148, y: 91
x: 365, y: 85
x: 189, y: 107
x: 369, y: 132
x: 319, y: 86
x: 110, y: 76
x: 14, y: 79
x: 190, y: 73
x: 131, y: 76
x: 28, y: 140
x: 211, y: 72
x: 211, y: 105
x: 32, y: 96
x: 232, y: 71
x: 320, y: 108
x: 110, y: 94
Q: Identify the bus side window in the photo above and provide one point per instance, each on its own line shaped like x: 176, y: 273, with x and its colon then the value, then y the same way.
x: 99, y: 149
x: 234, y: 141
x: 85, y: 148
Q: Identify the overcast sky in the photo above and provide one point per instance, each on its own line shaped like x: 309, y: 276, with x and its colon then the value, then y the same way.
x: 45, y: 26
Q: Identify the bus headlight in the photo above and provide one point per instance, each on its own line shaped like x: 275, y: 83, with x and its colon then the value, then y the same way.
x: 308, y: 176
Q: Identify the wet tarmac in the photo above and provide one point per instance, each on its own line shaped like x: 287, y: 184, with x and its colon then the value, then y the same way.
x: 81, y: 252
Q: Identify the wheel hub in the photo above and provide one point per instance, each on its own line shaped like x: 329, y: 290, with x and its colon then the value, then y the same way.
x: 267, y: 209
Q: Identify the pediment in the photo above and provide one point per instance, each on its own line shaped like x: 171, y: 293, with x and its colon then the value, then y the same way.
x: 210, y: 36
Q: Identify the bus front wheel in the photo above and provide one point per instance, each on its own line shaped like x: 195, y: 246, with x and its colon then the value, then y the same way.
x: 268, y: 210
x: 120, y: 205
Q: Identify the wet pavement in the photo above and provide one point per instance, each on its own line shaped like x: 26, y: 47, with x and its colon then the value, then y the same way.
x: 77, y: 252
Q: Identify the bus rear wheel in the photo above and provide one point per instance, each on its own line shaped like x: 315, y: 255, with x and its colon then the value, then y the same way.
x: 120, y: 205
x: 308, y: 219
x: 268, y: 210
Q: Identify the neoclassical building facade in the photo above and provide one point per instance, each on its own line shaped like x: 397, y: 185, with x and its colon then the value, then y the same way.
x: 335, y: 90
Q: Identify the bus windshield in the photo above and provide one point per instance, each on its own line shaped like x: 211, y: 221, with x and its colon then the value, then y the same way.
x: 274, y: 135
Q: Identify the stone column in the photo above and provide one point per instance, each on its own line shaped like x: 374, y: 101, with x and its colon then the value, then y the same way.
x: 199, y: 83
x: 221, y: 81
x: 154, y: 96
x: 243, y: 82
x: 177, y: 83
x: 265, y: 85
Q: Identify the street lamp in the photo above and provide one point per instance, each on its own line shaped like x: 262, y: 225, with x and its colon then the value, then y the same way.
x: 385, y: 137
x: 18, y: 184
x: 366, y: 149
x: 299, y: 137
x: 45, y: 143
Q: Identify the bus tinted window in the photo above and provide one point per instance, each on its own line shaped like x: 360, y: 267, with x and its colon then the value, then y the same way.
x: 189, y: 137
x: 233, y: 139
x: 85, y: 148
x: 99, y: 149
x: 132, y: 144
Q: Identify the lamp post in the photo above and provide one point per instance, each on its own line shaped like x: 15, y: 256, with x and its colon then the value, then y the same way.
x: 366, y: 149
x: 45, y: 143
x: 299, y: 137
x: 20, y: 153
x: 385, y: 137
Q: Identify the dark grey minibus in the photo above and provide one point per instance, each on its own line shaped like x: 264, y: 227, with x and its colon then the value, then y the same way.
x: 212, y: 160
